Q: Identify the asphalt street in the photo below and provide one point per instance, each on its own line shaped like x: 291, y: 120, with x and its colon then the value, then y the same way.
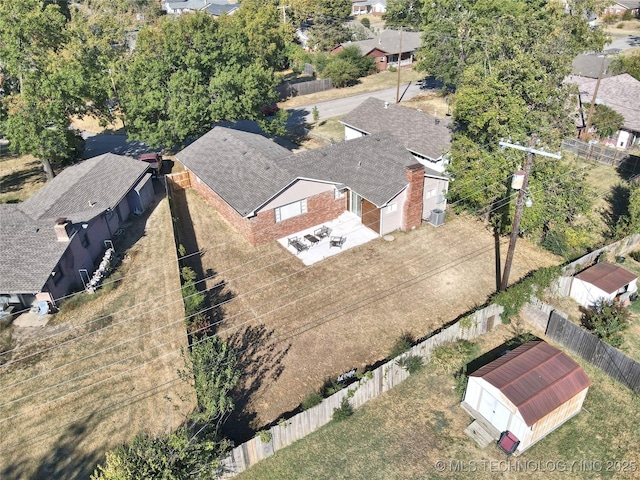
x: 341, y: 106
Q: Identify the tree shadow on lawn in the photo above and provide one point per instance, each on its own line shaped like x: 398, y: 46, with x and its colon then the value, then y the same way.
x: 64, y: 460
x: 14, y: 182
x: 619, y: 201
x: 260, y: 358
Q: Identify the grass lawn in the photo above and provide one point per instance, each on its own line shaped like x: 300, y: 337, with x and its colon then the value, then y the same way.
x: 101, y: 370
x: 296, y: 326
x: 417, y: 431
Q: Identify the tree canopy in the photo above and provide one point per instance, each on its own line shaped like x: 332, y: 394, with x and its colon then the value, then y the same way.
x: 404, y: 13
x: 507, y: 60
x: 53, y: 64
x: 191, y: 71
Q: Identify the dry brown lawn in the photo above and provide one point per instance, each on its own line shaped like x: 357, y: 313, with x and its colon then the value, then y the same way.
x: 100, y: 372
x: 297, y: 325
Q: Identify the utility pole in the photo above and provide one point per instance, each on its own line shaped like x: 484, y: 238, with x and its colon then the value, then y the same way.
x: 585, y: 132
x: 284, y: 12
x: 520, y: 202
x: 399, y: 58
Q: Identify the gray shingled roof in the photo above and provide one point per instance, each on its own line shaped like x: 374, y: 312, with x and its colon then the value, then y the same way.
x: 590, y: 65
x: 419, y: 132
x: 29, y: 250
x: 373, y: 166
x: 83, y: 191
x: 247, y: 170
x: 620, y: 93
x: 388, y: 41
x: 239, y: 166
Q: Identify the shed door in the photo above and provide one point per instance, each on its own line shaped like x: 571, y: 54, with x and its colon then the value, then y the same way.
x: 495, y: 412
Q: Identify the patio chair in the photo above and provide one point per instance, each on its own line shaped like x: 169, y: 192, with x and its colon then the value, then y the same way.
x: 322, y: 232
x: 337, y: 241
x: 298, y: 244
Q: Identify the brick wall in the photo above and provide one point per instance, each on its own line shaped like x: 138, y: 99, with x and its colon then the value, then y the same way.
x: 263, y: 228
x: 229, y: 214
x: 321, y: 208
x: 412, y: 208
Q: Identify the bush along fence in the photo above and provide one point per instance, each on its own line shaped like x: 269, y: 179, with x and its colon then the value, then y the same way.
x: 372, y: 384
x: 595, y: 351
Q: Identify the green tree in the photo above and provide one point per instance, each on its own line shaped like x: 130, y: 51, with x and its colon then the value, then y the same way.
x: 211, y: 363
x: 53, y: 64
x: 193, y: 71
x: 607, y: 321
x: 629, y: 63
x: 605, y: 119
x: 508, y: 60
x: 173, y: 456
x: 404, y: 13
x: 328, y: 28
x: 341, y: 72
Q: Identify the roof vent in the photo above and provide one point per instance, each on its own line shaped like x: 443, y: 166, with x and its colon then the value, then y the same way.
x: 92, y: 203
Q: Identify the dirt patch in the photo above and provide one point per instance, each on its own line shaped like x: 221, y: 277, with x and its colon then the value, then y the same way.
x: 100, y: 372
x: 298, y: 325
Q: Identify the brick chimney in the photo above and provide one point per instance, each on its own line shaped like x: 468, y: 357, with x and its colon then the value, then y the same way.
x: 412, y: 210
x: 62, y: 229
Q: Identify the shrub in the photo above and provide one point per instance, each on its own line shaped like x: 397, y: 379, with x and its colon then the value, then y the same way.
x: 393, y: 69
x: 265, y: 436
x: 344, y: 412
x: 411, y: 363
x: 365, y: 22
x: 453, y: 356
x: 607, y: 321
x: 402, y: 344
x: 461, y: 379
x: 635, y: 255
x: 620, y: 25
x: 311, y: 400
x: 330, y: 387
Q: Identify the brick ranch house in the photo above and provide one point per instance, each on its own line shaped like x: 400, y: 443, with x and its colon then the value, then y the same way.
x: 266, y: 192
x: 385, y: 48
x: 46, y: 240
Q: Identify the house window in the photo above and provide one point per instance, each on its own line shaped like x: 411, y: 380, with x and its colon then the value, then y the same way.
x: 392, y: 207
x: 430, y: 193
x: 291, y: 210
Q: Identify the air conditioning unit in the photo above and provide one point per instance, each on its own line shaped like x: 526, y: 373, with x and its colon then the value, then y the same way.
x: 437, y: 217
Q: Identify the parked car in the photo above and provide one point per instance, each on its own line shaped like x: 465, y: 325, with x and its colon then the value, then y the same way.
x: 154, y: 160
x: 269, y: 110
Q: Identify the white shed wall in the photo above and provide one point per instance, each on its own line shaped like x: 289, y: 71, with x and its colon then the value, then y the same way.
x: 587, y: 294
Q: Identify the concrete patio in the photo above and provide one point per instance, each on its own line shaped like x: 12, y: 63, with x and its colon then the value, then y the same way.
x: 347, y: 225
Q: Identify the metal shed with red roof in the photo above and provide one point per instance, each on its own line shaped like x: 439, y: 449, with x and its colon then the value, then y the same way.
x: 529, y: 392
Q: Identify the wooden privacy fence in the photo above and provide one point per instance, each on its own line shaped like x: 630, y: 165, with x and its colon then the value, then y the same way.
x: 369, y: 387
x: 589, y: 347
x: 289, y: 89
x: 606, y: 155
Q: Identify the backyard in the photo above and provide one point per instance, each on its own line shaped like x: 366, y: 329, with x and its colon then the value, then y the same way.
x: 102, y: 369
x: 296, y: 326
x: 416, y: 430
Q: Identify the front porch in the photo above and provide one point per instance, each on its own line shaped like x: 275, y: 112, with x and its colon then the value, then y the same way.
x: 348, y: 225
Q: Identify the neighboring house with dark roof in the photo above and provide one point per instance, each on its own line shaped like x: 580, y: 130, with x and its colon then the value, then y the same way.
x: 529, y: 392
x: 603, y: 282
x: 386, y: 46
x: 427, y: 137
x: 266, y: 192
x: 620, y: 93
x: 46, y: 240
x: 212, y: 7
